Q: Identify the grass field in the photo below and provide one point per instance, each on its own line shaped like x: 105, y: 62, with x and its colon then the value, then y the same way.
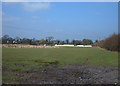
x: 21, y: 59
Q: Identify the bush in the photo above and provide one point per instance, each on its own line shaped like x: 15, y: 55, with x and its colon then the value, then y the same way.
x: 111, y: 43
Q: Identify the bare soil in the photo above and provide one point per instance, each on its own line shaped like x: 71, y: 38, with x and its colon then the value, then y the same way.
x: 70, y: 74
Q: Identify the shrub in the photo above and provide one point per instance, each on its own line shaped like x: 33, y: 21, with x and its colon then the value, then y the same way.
x: 111, y: 43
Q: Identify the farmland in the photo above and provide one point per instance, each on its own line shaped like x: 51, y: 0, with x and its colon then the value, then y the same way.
x: 17, y: 61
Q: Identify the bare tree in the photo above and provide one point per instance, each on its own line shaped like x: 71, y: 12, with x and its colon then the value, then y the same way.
x: 49, y: 39
x: 67, y: 41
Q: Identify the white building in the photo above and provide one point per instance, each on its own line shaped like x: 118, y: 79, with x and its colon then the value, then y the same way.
x: 84, y: 45
x: 68, y: 45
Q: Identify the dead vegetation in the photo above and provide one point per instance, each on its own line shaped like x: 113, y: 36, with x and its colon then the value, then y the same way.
x: 25, y: 46
x: 111, y: 43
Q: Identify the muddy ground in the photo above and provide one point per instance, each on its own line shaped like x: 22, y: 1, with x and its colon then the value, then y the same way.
x: 71, y: 74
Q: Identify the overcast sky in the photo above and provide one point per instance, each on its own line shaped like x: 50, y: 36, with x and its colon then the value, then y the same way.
x: 62, y: 20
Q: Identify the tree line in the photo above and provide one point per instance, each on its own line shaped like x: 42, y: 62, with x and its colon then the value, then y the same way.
x: 6, y: 39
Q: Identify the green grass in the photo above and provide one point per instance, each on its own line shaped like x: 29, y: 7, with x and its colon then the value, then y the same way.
x: 21, y: 59
x: 34, y: 56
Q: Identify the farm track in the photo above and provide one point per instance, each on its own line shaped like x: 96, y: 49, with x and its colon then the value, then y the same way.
x: 71, y: 74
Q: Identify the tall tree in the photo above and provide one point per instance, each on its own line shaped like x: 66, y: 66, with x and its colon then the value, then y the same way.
x: 5, y: 39
x: 42, y: 41
x: 49, y: 39
x: 67, y: 41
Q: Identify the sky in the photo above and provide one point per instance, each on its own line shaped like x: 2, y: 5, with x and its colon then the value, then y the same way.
x: 62, y: 20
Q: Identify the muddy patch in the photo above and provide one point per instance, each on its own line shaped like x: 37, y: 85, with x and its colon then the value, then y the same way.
x: 70, y: 74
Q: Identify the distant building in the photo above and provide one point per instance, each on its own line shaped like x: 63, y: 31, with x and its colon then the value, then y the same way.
x: 69, y: 45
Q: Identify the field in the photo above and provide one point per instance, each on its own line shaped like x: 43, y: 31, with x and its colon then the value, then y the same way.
x: 20, y: 60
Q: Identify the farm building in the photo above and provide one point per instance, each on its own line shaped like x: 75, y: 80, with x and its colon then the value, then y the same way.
x: 68, y: 45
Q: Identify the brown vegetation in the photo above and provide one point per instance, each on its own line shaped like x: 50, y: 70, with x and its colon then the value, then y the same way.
x: 111, y: 43
x: 25, y: 46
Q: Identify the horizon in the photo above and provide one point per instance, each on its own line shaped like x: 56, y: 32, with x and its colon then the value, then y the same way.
x: 63, y: 20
